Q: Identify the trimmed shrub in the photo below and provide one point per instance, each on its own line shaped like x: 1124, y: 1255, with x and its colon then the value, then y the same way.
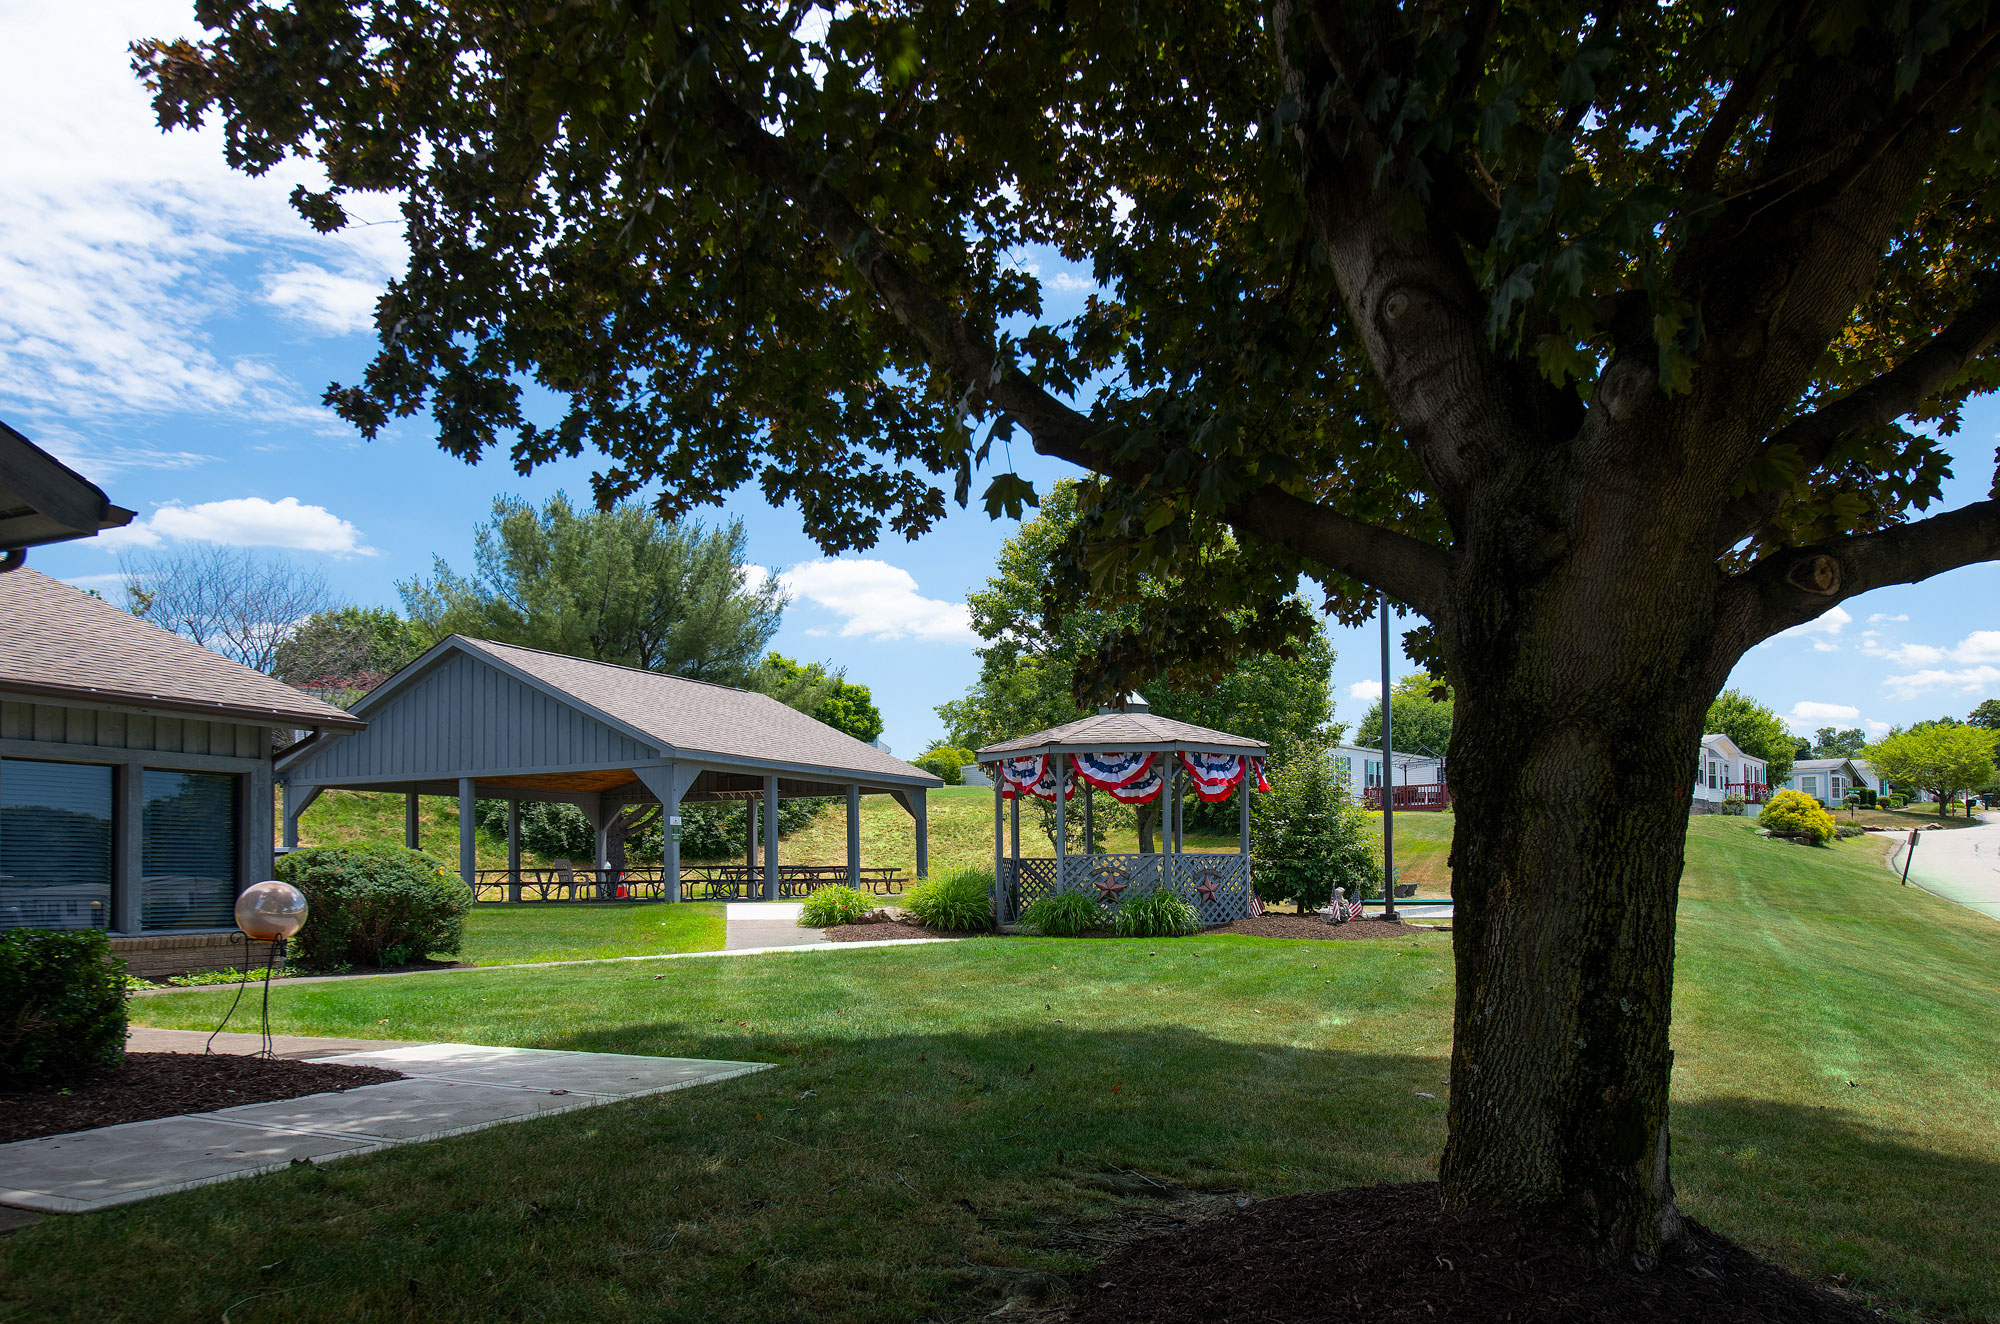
x: 957, y: 901
x: 1157, y: 914
x: 827, y: 906
x: 1795, y: 813
x: 1310, y: 837
x: 62, y: 1006
x: 1064, y: 915
x: 374, y: 905
x: 946, y: 762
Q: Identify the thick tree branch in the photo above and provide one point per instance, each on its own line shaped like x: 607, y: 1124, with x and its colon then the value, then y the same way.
x: 1890, y: 396
x: 1408, y: 569
x: 1794, y: 586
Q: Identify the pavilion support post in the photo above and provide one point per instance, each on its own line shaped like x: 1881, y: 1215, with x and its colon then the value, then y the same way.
x: 468, y: 842
x: 410, y: 819
x: 668, y: 785
x: 750, y: 834
x: 1243, y: 812
x: 513, y: 850
x: 1089, y: 821
x: 770, y: 838
x: 600, y: 822
x: 1014, y: 816
x: 922, y: 810
x: 999, y: 852
x: 853, y: 836
x: 1062, y: 834
x: 298, y: 797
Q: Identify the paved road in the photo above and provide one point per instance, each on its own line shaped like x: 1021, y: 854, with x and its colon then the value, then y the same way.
x: 1961, y: 865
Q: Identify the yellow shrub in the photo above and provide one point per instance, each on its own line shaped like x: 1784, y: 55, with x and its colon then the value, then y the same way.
x: 1797, y: 812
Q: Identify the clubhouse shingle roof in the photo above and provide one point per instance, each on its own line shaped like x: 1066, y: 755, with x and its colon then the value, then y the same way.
x: 59, y: 643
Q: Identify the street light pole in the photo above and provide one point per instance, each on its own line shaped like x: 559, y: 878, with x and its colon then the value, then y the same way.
x: 1388, y: 784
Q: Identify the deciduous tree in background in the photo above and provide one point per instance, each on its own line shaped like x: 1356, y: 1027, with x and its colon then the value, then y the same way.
x: 342, y: 653
x: 1943, y: 760
x: 1611, y: 339
x: 231, y: 600
x: 1420, y: 717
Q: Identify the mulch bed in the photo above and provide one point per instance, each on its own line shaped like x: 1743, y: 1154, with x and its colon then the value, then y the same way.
x: 1388, y: 1253
x: 1312, y: 926
x: 873, y: 929
x: 152, y: 1085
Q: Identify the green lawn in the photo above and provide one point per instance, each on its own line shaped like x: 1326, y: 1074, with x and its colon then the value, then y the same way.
x: 498, y: 934
x: 941, y: 1107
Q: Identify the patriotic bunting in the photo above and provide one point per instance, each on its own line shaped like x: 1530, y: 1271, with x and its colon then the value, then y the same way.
x: 1215, y: 775
x: 1108, y: 771
x: 1142, y: 789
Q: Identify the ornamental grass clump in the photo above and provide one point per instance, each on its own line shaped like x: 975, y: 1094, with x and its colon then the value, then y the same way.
x: 828, y: 906
x: 1064, y: 915
x: 1158, y: 914
x: 374, y: 905
x: 1796, y: 814
x: 957, y: 901
x: 62, y: 1006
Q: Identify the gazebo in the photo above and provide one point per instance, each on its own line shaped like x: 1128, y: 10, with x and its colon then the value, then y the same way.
x: 1135, y: 758
x: 473, y: 719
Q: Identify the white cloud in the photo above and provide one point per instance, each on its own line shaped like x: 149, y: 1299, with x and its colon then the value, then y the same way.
x: 244, y: 522
x: 125, y: 252
x: 1879, y: 617
x: 337, y: 303
x: 1069, y: 282
x: 1808, y: 716
x: 1820, y: 630
x: 878, y: 601
x: 1876, y: 728
x: 100, y: 462
x: 102, y: 583
x: 1367, y: 691
x: 1967, y: 680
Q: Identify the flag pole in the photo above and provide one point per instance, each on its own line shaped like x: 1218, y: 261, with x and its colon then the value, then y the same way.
x: 1388, y: 784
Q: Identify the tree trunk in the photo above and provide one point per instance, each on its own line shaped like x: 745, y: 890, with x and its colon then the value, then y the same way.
x: 1583, y: 669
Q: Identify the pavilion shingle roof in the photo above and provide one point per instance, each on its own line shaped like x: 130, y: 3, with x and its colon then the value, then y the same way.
x: 58, y: 643
x: 696, y: 716
x: 1122, y: 731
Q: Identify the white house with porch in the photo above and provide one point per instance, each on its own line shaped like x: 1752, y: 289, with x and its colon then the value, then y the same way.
x: 1418, y: 779
x: 1723, y: 769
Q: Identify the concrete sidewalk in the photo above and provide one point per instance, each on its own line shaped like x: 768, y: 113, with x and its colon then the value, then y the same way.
x: 762, y: 925
x: 449, y: 1089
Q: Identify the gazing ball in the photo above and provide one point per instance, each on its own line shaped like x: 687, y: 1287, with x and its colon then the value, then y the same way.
x: 271, y: 910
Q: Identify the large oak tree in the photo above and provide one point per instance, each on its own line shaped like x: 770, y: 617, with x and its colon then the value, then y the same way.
x: 1611, y: 337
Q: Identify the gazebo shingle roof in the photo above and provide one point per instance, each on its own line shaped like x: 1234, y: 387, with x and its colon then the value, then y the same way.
x: 59, y: 643
x: 695, y: 716
x: 1126, y: 731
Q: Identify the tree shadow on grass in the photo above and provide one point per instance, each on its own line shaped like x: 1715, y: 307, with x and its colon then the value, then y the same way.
x: 1828, y: 1192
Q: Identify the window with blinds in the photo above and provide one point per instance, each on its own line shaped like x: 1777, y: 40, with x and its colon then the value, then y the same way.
x: 55, y: 845
x: 189, y: 871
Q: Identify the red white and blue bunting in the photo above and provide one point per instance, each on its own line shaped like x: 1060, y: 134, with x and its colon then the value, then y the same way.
x: 1215, y: 775
x: 1035, y: 775
x: 1141, y: 789
x: 1109, y: 771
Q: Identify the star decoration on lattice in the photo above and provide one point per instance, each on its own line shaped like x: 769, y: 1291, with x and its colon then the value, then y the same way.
x: 1206, y: 887
x: 1110, y: 883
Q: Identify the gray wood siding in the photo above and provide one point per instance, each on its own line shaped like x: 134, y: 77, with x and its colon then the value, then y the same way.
x: 60, y: 724
x: 466, y: 719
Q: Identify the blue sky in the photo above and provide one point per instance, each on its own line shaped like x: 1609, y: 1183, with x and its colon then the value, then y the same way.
x: 168, y: 326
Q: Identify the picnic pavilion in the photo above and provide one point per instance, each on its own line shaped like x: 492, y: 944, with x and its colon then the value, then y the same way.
x: 481, y: 720
x: 1135, y: 758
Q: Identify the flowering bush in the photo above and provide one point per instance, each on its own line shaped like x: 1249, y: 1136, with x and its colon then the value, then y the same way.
x: 1798, y: 814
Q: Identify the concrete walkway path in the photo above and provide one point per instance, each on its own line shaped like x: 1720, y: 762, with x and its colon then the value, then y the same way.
x: 298, y: 1047
x: 762, y: 925
x: 448, y: 1089
x: 1961, y: 865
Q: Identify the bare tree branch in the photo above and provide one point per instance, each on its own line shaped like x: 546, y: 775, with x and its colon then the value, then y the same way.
x: 1794, y: 586
x: 227, y: 599
x: 1408, y: 569
x: 1890, y: 396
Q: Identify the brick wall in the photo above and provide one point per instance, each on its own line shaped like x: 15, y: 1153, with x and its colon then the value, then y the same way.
x: 156, y: 956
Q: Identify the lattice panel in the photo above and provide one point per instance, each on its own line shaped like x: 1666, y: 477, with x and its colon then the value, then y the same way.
x: 1217, y: 886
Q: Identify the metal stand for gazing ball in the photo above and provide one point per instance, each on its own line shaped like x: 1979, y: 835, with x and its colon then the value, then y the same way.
x: 267, y: 912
